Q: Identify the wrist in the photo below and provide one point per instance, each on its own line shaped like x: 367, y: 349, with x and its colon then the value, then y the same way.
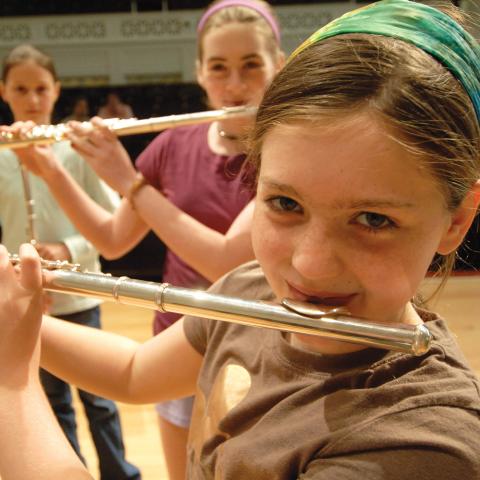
x: 53, y: 174
x: 138, y: 183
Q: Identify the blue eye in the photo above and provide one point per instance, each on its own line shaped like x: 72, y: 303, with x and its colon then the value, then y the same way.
x: 283, y: 204
x: 374, y: 221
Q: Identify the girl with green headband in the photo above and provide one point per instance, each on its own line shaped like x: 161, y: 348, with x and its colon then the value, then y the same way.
x: 367, y: 150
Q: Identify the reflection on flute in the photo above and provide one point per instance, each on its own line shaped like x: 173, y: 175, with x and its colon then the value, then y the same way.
x: 46, y: 134
x: 298, y: 317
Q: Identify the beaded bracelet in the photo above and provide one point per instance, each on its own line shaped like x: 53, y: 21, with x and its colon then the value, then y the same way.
x: 139, y: 182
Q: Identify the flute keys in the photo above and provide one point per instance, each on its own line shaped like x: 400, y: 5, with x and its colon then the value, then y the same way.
x: 48, y: 264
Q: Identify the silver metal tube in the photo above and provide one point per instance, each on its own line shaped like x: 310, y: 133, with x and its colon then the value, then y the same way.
x: 47, y: 134
x: 29, y: 206
x: 164, y: 297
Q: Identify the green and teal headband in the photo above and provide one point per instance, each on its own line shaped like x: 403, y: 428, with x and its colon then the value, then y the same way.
x: 425, y: 27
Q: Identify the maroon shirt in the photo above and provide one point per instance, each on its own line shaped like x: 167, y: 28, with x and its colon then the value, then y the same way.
x: 203, y: 184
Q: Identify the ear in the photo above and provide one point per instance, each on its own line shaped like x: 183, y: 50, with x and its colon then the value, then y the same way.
x: 199, y: 73
x: 280, y: 61
x: 57, y: 90
x: 460, y: 221
x: 2, y: 90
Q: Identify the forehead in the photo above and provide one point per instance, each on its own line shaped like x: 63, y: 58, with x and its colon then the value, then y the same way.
x: 233, y: 40
x: 343, y: 162
x: 29, y: 72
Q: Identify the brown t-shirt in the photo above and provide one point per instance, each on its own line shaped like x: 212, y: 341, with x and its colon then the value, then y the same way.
x: 267, y: 410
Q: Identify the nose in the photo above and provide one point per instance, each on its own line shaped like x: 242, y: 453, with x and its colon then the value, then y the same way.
x: 317, y: 255
x: 33, y: 98
x: 236, y: 82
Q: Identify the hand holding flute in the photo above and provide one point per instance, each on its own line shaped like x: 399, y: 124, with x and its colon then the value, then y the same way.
x: 102, y: 150
x: 37, y: 158
x: 26, y: 417
x: 20, y: 311
x: 94, y: 141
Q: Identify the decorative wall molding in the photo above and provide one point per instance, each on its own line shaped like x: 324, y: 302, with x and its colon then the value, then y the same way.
x: 119, y: 49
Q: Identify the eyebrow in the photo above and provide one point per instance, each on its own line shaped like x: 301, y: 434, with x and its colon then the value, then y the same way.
x: 245, y: 57
x: 356, y: 204
x: 279, y: 186
x: 380, y: 203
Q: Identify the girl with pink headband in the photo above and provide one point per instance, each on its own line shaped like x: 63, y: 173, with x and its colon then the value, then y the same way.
x: 187, y: 186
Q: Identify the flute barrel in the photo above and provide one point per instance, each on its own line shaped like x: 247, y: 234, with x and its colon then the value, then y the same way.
x: 405, y: 338
x: 48, y: 134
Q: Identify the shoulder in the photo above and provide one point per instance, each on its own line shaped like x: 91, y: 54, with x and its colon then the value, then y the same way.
x: 187, y: 136
x: 441, y: 376
x: 434, y: 443
x: 445, y: 364
x: 422, y: 412
x: 180, y: 134
x: 246, y: 282
x: 179, y: 139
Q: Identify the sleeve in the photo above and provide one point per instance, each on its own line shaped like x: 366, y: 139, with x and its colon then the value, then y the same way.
x: 81, y: 250
x: 247, y: 282
x: 424, y: 443
x: 151, y: 162
x: 196, y: 328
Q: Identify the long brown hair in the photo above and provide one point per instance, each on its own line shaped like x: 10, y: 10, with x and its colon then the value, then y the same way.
x: 421, y: 104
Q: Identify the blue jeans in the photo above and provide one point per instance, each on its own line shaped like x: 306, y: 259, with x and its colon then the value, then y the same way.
x: 102, y: 414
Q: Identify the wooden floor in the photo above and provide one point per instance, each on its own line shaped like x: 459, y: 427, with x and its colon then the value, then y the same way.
x: 139, y: 423
x: 459, y: 303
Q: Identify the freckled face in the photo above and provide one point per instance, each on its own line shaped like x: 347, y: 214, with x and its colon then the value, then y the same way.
x: 31, y: 92
x: 345, y: 216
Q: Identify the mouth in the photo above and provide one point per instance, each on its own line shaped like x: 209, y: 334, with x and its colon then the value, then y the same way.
x: 328, y: 299
x: 236, y: 103
x: 33, y: 113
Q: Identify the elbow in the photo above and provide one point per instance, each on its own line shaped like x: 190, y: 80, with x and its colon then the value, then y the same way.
x: 111, y: 251
x: 109, y: 254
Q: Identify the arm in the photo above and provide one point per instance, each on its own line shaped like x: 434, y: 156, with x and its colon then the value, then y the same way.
x: 209, y: 252
x: 116, y: 367
x: 111, y: 234
x: 32, y: 444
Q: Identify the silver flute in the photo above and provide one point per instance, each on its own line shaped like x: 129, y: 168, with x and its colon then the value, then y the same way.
x: 289, y: 316
x: 47, y: 134
x: 31, y: 229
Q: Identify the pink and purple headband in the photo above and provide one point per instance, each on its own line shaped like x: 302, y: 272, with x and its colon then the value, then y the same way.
x: 241, y: 3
